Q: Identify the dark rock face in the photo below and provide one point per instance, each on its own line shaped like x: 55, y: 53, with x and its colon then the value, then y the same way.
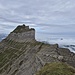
x: 20, y: 54
x: 22, y: 28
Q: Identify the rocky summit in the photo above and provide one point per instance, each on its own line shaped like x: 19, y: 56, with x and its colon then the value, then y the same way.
x: 22, y: 34
x: 21, y: 54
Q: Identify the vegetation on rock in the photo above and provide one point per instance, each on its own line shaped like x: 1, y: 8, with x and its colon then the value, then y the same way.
x: 57, y: 68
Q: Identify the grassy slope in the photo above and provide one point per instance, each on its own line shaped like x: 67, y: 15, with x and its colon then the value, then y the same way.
x: 56, y: 69
x: 15, y: 49
x: 12, y: 51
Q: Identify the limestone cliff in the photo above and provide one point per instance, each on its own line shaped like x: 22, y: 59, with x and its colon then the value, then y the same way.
x: 22, y: 34
x: 21, y: 54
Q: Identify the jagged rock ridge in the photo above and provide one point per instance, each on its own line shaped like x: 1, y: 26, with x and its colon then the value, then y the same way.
x: 19, y: 56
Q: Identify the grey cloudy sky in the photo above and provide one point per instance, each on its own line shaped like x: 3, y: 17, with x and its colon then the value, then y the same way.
x: 47, y: 16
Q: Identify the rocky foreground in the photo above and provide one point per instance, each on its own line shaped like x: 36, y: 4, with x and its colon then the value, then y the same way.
x: 21, y: 54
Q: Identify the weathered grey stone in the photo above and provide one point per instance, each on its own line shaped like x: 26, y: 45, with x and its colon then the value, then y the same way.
x: 47, y: 55
x: 55, y: 56
x: 60, y: 58
x: 25, y: 34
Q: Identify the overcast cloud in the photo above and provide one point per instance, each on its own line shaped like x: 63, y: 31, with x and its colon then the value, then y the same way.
x: 46, y: 16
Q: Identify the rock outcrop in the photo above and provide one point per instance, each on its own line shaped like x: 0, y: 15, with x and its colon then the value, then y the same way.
x: 22, y: 34
x: 21, y: 54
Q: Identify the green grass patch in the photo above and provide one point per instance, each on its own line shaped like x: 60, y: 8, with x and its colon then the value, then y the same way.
x: 57, y: 69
